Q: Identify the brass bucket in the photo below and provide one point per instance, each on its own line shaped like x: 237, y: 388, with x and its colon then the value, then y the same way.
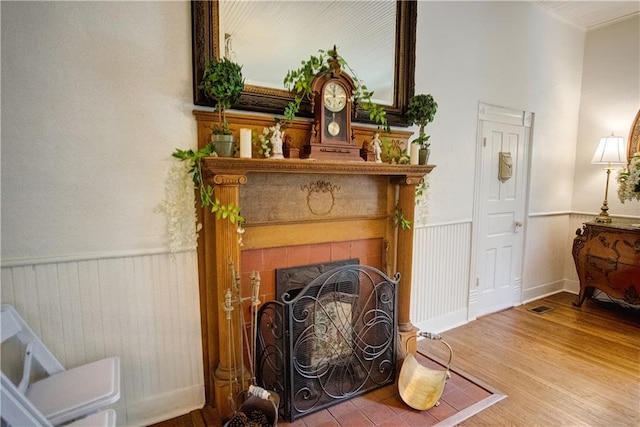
x: 421, y: 387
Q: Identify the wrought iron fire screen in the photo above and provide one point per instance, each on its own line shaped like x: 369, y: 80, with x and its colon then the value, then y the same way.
x: 329, y: 341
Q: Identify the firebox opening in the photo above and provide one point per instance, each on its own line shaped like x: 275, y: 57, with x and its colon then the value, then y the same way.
x: 292, y: 279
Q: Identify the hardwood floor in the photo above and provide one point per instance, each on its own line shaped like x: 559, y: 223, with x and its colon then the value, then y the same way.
x: 568, y: 366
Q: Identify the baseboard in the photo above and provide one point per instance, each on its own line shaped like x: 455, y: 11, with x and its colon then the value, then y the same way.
x: 444, y: 323
x: 161, y: 407
x: 460, y: 317
x: 545, y: 290
x: 572, y: 286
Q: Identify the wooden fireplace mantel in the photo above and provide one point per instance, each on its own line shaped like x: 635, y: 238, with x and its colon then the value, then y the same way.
x: 235, y: 166
x: 265, y: 189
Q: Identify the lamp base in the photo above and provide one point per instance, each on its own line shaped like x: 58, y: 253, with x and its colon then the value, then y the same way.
x: 604, y: 217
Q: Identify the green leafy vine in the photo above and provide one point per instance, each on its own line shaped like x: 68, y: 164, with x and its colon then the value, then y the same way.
x: 400, y: 220
x: 229, y: 211
x: 299, y: 82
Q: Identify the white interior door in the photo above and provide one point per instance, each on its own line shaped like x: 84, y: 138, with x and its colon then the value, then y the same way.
x: 500, y: 217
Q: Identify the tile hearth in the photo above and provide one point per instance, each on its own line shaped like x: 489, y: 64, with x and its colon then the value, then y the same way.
x: 461, y: 399
x: 384, y: 407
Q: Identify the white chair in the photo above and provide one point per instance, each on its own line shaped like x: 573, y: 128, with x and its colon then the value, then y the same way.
x: 63, y: 395
x: 17, y: 411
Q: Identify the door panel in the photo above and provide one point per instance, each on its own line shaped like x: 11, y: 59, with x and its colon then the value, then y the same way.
x: 500, y: 224
x: 501, y: 210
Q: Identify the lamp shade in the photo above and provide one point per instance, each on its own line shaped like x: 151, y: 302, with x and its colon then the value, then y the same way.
x: 611, y: 149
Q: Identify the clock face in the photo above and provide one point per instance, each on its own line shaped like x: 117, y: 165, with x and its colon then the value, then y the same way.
x: 335, y: 97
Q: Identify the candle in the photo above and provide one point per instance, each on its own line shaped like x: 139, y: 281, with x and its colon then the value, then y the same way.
x: 415, y: 153
x: 245, y: 143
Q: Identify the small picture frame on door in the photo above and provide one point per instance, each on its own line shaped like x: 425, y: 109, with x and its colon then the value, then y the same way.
x: 505, y: 166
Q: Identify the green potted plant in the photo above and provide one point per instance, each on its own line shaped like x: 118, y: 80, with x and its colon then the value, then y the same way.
x: 223, y: 83
x: 420, y: 111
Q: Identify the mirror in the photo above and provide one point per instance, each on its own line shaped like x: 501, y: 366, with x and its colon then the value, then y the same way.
x: 390, y: 75
x: 266, y: 55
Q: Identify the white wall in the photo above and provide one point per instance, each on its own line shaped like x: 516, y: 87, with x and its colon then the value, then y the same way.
x: 96, y: 95
x: 503, y: 53
x: 514, y: 55
x: 610, y: 101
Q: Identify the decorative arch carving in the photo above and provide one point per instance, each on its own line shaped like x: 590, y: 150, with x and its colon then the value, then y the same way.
x: 633, y: 144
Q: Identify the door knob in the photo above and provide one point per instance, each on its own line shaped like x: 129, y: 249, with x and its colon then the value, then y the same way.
x: 516, y: 226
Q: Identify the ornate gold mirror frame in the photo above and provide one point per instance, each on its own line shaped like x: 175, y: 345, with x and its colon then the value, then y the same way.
x: 205, y: 39
x: 633, y: 145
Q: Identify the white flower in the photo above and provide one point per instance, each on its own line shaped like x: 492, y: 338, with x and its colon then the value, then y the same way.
x: 179, y: 207
x: 629, y: 180
x: 265, y: 142
x: 422, y: 195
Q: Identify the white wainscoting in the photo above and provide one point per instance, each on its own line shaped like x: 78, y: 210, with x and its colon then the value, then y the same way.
x: 440, y: 276
x: 547, y: 251
x: 441, y: 260
x: 141, y: 307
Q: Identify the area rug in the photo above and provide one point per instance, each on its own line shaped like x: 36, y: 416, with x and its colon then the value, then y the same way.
x: 464, y: 395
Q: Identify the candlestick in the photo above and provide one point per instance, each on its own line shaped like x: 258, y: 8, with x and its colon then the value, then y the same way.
x: 415, y: 153
x: 245, y: 143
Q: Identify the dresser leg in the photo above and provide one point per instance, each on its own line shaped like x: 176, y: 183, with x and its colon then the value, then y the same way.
x: 585, y: 292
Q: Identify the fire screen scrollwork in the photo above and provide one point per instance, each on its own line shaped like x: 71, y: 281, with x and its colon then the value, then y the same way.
x: 329, y: 341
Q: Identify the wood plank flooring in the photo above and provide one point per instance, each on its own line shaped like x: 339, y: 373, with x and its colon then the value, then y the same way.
x: 568, y: 366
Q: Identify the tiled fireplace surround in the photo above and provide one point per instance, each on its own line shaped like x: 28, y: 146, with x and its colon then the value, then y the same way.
x: 297, y: 212
x: 266, y: 261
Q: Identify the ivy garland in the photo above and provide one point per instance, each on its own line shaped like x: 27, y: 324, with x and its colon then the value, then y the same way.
x: 299, y: 82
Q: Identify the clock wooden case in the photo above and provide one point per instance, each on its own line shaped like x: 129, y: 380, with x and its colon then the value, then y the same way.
x: 331, y: 104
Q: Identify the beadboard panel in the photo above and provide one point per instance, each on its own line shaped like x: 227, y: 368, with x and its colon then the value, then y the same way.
x: 143, y: 308
x: 440, y: 294
x: 440, y: 276
x: 545, y: 255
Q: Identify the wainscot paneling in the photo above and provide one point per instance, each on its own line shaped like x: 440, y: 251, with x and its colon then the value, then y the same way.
x: 141, y: 307
x: 546, y: 254
x: 440, y: 276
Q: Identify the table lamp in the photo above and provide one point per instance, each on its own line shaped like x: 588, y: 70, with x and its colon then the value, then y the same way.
x: 611, y: 150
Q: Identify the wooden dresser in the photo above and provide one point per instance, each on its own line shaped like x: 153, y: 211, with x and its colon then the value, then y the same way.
x: 607, y: 257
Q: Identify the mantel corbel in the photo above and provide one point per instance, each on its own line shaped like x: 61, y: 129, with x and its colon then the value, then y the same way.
x: 227, y: 179
x: 408, y: 180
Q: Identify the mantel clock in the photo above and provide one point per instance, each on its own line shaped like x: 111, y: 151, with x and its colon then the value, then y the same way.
x: 331, y: 103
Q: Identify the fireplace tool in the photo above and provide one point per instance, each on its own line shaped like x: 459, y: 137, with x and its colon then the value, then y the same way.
x: 421, y: 387
x: 257, y: 407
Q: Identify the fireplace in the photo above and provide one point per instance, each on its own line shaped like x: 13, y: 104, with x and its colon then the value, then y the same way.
x: 328, y: 339
x: 320, y: 208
